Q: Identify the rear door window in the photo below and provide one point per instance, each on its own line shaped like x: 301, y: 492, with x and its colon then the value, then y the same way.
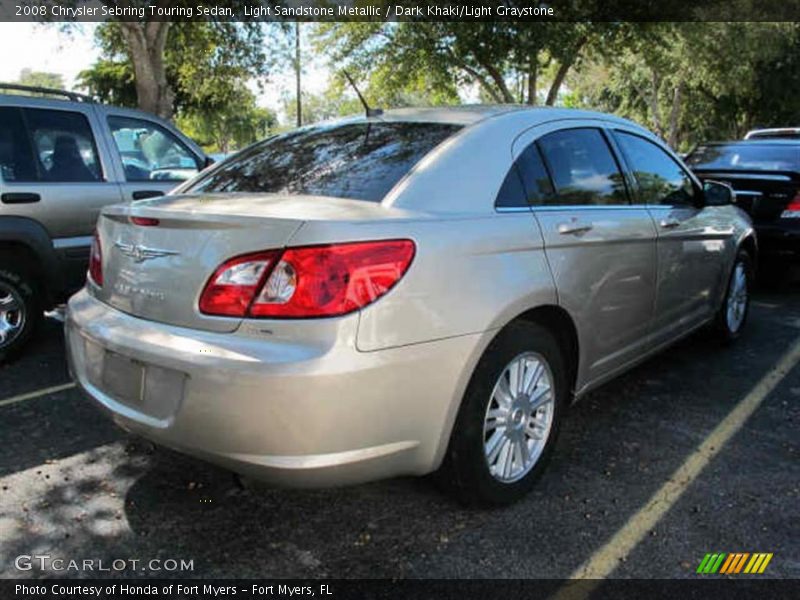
x: 583, y: 169
x: 47, y: 145
x: 63, y: 146
x: 361, y: 161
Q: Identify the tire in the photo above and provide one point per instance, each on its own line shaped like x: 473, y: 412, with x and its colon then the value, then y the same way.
x: 466, y: 469
x: 20, y: 308
x: 732, y: 314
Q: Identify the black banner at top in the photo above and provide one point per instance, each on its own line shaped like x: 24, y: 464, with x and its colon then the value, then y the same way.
x: 398, y: 10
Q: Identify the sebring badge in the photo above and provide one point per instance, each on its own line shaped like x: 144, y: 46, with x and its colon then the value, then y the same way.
x: 142, y: 253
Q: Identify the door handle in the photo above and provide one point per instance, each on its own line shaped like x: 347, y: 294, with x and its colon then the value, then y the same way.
x: 20, y: 198
x: 144, y: 194
x: 670, y: 223
x: 574, y: 228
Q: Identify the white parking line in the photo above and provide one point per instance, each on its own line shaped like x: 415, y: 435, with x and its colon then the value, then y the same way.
x: 603, y: 562
x: 37, y: 394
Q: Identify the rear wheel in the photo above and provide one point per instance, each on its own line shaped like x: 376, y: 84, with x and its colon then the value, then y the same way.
x: 20, y: 310
x: 509, y: 419
x: 732, y: 315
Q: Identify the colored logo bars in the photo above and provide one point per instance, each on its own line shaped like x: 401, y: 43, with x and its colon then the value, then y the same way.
x: 736, y: 562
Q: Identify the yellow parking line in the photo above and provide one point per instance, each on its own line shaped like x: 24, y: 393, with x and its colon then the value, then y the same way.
x: 37, y: 394
x: 603, y: 562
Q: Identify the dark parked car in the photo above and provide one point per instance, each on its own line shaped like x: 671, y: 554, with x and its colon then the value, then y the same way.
x: 783, y: 133
x: 766, y: 177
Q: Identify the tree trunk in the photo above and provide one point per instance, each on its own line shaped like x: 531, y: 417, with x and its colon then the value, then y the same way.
x: 532, y: 74
x: 563, y: 69
x: 552, y: 94
x: 500, y: 82
x: 146, y: 43
x: 672, y: 139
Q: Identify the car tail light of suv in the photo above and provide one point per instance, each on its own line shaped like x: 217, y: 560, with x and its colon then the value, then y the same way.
x: 96, y: 261
x: 307, y: 282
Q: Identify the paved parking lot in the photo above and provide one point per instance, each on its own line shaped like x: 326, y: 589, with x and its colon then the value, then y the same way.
x: 74, y: 487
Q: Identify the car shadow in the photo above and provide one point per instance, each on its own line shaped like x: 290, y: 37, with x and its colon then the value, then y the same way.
x: 618, y: 446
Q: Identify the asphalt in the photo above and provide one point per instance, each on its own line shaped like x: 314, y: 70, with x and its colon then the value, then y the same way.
x: 73, y: 486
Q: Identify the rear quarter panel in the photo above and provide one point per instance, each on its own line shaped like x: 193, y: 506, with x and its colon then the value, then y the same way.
x: 470, y: 274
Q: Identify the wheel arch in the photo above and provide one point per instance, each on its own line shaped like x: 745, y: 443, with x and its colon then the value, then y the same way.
x: 550, y: 316
x: 561, y: 324
x: 28, y: 239
x: 748, y: 244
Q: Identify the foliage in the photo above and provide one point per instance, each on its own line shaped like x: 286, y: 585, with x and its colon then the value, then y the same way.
x: 110, y: 81
x: 205, y: 61
x: 41, y: 79
x: 507, y: 60
x: 208, y: 65
x: 236, y: 126
x: 695, y: 81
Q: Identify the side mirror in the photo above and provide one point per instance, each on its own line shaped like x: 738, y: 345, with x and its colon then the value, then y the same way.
x: 208, y: 162
x: 716, y: 193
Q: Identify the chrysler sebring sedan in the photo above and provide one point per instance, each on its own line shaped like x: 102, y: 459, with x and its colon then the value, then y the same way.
x: 425, y: 290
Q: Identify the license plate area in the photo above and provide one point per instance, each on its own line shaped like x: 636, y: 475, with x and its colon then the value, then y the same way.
x: 123, y: 378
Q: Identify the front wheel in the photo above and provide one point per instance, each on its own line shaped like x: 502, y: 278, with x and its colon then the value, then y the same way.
x: 509, y: 418
x: 732, y: 315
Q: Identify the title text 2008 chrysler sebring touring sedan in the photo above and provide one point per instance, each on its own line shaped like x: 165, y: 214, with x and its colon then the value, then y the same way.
x: 394, y: 295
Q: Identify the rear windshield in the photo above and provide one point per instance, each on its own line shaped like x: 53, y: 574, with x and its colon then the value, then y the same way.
x: 746, y: 157
x: 361, y: 161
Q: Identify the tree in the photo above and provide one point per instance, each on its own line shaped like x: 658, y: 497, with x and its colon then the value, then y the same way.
x: 505, y: 59
x: 691, y: 82
x: 231, y: 128
x: 168, y: 59
x: 41, y: 79
x: 332, y: 103
x: 110, y: 81
x: 207, y: 66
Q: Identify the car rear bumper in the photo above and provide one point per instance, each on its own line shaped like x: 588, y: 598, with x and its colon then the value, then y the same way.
x: 779, y: 241
x: 290, y: 413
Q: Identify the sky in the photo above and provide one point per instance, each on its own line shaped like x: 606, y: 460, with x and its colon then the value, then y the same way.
x: 47, y: 48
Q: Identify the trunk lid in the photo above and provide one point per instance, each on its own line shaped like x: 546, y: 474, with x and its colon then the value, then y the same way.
x: 762, y: 194
x: 158, y: 272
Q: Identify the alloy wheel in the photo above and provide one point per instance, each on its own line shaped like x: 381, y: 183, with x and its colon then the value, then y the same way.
x: 12, y: 314
x: 737, y: 298
x: 519, y: 417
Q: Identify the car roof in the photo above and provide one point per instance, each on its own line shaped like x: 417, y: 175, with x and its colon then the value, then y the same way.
x: 754, y: 142
x: 468, y: 114
x: 54, y: 102
x: 771, y: 130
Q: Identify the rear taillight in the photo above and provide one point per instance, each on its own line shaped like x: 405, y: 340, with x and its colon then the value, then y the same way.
x: 232, y: 287
x: 96, y: 261
x: 307, y: 282
x: 792, y: 210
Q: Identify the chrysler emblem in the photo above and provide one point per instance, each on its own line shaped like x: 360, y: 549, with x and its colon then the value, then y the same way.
x: 140, y: 254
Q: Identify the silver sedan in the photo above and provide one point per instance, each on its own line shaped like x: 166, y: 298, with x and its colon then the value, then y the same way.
x: 424, y: 290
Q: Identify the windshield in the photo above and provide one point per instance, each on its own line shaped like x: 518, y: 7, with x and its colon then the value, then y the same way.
x: 361, y: 161
x: 746, y: 157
